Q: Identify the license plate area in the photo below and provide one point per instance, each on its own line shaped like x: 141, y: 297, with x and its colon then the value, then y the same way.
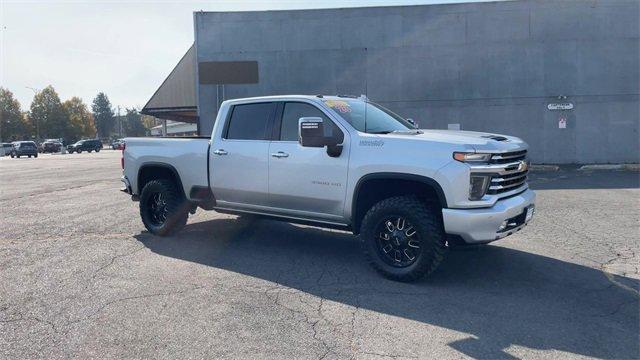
x: 529, y: 211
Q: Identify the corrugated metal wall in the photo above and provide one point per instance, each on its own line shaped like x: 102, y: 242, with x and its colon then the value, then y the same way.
x: 486, y: 66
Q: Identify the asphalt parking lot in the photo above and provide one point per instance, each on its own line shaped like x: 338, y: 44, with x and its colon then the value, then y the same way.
x: 80, y: 277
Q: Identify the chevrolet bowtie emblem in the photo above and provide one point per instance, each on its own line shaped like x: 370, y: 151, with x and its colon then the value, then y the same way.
x: 523, y: 165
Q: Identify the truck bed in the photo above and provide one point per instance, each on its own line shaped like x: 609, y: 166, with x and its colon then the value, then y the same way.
x: 186, y: 155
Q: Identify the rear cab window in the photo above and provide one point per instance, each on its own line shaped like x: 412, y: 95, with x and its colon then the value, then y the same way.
x: 250, y: 121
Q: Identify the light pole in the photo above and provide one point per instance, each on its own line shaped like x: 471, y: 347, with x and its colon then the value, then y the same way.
x: 35, y: 92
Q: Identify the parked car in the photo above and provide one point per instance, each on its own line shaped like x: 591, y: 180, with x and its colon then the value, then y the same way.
x: 339, y: 162
x: 85, y: 145
x: 6, y: 149
x: 51, y: 146
x: 117, y: 144
x: 24, y: 148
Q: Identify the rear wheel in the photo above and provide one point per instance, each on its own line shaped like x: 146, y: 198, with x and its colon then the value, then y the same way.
x: 12, y: 156
x: 79, y: 151
x: 403, y: 238
x: 163, y: 209
x: 36, y: 155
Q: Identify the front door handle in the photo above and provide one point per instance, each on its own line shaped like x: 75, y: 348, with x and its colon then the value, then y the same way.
x: 220, y: 152
x: 280, y: 154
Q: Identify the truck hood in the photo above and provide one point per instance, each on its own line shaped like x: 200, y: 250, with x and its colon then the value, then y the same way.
x: 469, y: 140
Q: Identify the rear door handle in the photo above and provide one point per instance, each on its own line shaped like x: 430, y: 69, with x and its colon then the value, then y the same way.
x: 280, y: 154
x: 220, y: 152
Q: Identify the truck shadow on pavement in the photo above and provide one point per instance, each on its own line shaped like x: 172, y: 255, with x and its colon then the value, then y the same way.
x: 502, y: 298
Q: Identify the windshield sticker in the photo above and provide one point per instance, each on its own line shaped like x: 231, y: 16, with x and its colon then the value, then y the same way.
x: 341, y: 106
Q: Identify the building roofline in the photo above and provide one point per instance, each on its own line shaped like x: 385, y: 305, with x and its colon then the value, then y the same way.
x: 167, y: 78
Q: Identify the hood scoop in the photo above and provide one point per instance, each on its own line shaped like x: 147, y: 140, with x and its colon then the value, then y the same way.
x: 495, y: 137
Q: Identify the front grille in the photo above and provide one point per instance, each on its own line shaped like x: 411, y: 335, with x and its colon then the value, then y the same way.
x: 514, y: 174
x: 509, y: 157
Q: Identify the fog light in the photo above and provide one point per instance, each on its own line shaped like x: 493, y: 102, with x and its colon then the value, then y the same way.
x: 478, y: 186
x: 503, y: 225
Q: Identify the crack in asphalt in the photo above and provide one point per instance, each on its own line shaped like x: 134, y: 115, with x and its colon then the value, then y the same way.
x: 129, y: 298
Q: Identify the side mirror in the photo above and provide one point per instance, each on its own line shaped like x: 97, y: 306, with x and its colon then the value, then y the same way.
x: 311, y: 134
x: 413, y: 122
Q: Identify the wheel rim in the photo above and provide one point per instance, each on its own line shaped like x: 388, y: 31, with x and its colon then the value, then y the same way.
x: 157, y: 208
x: 398, y: 242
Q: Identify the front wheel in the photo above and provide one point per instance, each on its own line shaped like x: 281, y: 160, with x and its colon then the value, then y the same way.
x: 97, y: 149
x: 79, y: 151
x: 36, y: 155
x: 403, y: 238
x: 12, y: 156
x: 163, y: 209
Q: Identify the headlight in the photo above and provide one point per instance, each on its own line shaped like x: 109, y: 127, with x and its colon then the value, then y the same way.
x: 472, y: 157
x: 478, y: 185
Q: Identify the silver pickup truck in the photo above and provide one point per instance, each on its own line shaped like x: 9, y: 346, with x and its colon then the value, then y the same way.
x: 339, y: 162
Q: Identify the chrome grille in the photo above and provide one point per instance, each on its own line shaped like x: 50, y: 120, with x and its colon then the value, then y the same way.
x: 513, y: 176
x: 508, y: 157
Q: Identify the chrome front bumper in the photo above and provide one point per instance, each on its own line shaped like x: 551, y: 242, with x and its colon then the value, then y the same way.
x: 483, y: 225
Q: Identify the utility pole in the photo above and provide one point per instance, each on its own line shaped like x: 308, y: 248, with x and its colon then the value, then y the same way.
x: 119, y: 123
x: 35, y: 92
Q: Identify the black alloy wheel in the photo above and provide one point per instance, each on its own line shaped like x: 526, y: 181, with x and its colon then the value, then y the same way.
x: 398, y: 241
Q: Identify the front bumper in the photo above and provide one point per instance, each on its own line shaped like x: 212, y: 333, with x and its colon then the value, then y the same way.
x: 482, y: 225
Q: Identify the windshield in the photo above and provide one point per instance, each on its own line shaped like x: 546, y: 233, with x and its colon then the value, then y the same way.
x: 368, y: 117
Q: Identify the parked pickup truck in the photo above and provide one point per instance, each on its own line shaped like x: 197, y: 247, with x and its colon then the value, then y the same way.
x: 339, y: 162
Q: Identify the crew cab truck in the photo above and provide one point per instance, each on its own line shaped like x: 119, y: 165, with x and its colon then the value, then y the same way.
x: 338, y: 162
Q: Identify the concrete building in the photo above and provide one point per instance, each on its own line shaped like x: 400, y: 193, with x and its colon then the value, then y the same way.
x: 563, y: 75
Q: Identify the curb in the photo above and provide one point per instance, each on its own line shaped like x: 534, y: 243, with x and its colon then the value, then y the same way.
x: 632, y: 167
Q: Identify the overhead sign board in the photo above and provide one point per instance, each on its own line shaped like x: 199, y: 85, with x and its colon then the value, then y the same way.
x: 560, y: 106
x: 228, y: 72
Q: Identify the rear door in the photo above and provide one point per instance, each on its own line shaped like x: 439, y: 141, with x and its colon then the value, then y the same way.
x: 304, y: 181
x: 240, y: 160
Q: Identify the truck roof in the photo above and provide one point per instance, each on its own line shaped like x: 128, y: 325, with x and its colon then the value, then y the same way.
x: 293, y: 96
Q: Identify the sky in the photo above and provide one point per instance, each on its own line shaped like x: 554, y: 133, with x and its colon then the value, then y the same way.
x: 122, y: 48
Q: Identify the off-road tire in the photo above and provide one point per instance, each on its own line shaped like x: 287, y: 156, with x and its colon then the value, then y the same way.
x: 177, y: 207
x: 427, y: 222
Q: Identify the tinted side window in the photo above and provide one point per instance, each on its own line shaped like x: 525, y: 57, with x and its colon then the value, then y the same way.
x: 293, y: 111
x: 250, y: 121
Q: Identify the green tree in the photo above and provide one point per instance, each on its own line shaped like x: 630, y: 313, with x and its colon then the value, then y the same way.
x: 13, y: 125
x: 103, y: 115
x: 81, y: 122
x: 132, y: 125
x: 48, y: 116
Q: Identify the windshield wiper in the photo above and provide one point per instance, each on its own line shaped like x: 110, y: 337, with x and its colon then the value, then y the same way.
x: 380, y: 132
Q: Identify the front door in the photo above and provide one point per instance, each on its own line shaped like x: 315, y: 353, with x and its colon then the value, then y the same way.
x: 303, y: 181
x: 240, y: 160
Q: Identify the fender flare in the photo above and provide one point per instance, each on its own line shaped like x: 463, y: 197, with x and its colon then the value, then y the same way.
x: 393, y: 176
x: 159, y: 165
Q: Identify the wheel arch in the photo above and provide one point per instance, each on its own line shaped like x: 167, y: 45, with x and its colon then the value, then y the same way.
x: 154, y: 170
x: 375, y: 187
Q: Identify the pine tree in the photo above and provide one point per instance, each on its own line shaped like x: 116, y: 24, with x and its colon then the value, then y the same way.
x: 103, y: 115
